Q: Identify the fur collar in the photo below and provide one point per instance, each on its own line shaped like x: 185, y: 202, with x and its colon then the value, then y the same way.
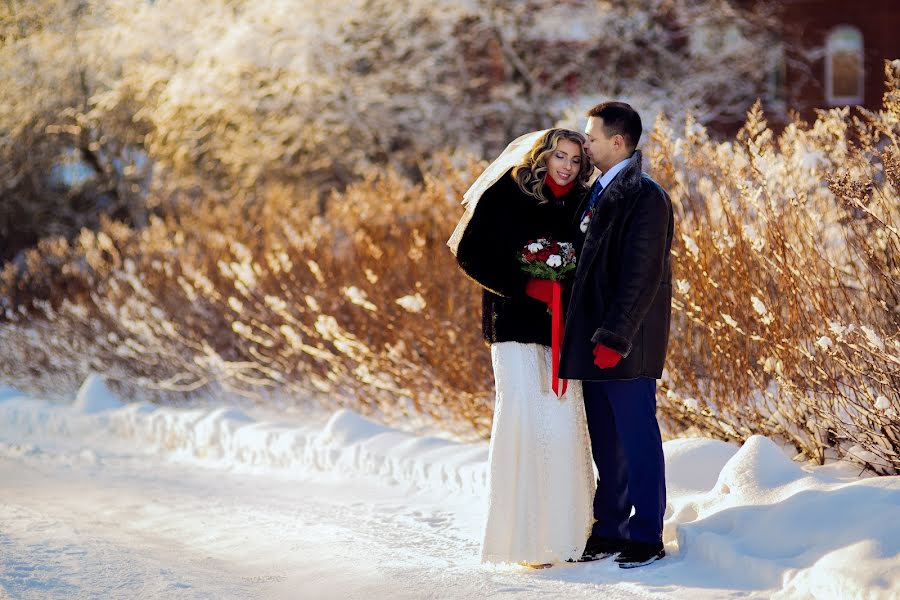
x: 628, y: 180
x: 625, y: 184
x: 623, y: 191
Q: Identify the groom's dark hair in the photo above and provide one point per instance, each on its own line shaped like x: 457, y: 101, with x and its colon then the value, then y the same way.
x: 619, y: 118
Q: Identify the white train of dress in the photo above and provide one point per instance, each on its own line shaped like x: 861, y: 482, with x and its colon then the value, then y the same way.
x: 541, y: 479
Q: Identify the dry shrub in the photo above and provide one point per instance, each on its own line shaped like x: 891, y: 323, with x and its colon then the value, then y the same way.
x: 362, y: 305
x: 785, y: 309
x: 787, y: 282
x: 98, y: 117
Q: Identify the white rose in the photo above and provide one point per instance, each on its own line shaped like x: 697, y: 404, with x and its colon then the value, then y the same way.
x: 535, y: 247
x: 554, y: 260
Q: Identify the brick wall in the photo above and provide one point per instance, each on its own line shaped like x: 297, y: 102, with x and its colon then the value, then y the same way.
x: 807, y: 24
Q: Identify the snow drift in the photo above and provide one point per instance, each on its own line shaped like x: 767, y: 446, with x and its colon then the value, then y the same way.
x: 739, y: 518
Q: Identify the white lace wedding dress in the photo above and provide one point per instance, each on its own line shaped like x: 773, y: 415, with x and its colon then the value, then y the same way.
x: 541, y: 485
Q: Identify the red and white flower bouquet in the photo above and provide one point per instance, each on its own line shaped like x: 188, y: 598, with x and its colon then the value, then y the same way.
x: 548, y: 259
x: 551, y: 260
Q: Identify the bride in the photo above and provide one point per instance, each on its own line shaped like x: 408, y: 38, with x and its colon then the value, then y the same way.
x: 541, y: 478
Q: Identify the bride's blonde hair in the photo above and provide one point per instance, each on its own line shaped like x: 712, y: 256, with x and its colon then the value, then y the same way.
x: 532, y: 171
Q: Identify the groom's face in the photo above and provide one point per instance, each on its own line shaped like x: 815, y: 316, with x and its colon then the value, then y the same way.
x: 603, y: 150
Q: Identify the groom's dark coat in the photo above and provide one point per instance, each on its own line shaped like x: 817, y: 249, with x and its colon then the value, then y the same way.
x: 621, y: 296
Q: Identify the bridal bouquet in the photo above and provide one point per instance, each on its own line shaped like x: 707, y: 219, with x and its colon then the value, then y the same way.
x: 551, y: 260
x: 548, y: 259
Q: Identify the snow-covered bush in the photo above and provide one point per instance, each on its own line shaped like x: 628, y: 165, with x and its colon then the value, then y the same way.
x: 785, y: 302
x: 787, y: 281
x: 223, y: 119
x: 361, y: 306
x: 114, y: 106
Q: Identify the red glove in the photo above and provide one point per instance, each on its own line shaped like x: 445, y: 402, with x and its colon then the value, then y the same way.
x: 540, y: 289
x: 606, y: 358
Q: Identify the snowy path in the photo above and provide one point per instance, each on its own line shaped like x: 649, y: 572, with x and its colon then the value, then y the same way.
x: 103, y: 501
x: 153, y: 531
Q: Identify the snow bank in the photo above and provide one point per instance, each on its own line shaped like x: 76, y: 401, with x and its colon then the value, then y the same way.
x: 349, y: 445
x: 8, y: 392
x: 767, y: 522
x: 94, y: 396
x: 738, y: 518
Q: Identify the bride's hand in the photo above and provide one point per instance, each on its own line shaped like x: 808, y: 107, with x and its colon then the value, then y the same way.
x: 540, y: 289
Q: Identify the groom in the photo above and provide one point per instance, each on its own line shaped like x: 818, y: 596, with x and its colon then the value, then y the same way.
x: 617, y: 330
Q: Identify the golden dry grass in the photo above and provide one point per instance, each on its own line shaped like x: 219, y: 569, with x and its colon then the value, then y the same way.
x: 787, y: 291
x: 362, y: 304
x: 786, y: 307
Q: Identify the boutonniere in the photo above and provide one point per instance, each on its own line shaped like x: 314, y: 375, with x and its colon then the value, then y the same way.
x: 586, y: 220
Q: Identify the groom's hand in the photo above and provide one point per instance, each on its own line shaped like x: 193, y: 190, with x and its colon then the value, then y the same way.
x: 540, y: 289
x: 606, y: 358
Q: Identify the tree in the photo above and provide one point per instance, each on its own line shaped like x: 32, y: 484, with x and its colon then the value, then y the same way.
x: 154, y: 101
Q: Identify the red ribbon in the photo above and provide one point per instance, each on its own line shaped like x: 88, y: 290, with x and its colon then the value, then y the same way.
x: 557, y: 337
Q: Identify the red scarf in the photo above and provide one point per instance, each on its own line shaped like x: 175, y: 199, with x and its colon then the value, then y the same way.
x: 559, y: 190
x: 558, y: 385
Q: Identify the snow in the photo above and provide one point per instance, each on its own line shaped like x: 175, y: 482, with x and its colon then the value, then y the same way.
x: 94, y: 396
x: 358, y: 297
x: 413, y: 303
x: 102, y: 498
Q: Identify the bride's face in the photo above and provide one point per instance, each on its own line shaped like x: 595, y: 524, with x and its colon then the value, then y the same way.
x: 564, y: 163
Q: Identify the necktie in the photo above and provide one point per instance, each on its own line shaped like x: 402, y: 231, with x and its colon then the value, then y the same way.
x: 592, y: 204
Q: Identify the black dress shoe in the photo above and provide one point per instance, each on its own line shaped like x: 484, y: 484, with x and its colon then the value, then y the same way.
x: 598, y: 548
x: 638, y: 554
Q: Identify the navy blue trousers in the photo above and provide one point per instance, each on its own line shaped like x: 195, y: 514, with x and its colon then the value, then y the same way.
x: 627, y: 448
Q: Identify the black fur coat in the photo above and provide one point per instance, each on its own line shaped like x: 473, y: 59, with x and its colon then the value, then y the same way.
x: 505, y: 220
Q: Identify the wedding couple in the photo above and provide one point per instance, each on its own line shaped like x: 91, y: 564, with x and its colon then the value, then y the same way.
x: 545, y: 504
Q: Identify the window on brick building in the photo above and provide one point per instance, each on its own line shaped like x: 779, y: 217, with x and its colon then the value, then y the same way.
x: 844, y: 66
